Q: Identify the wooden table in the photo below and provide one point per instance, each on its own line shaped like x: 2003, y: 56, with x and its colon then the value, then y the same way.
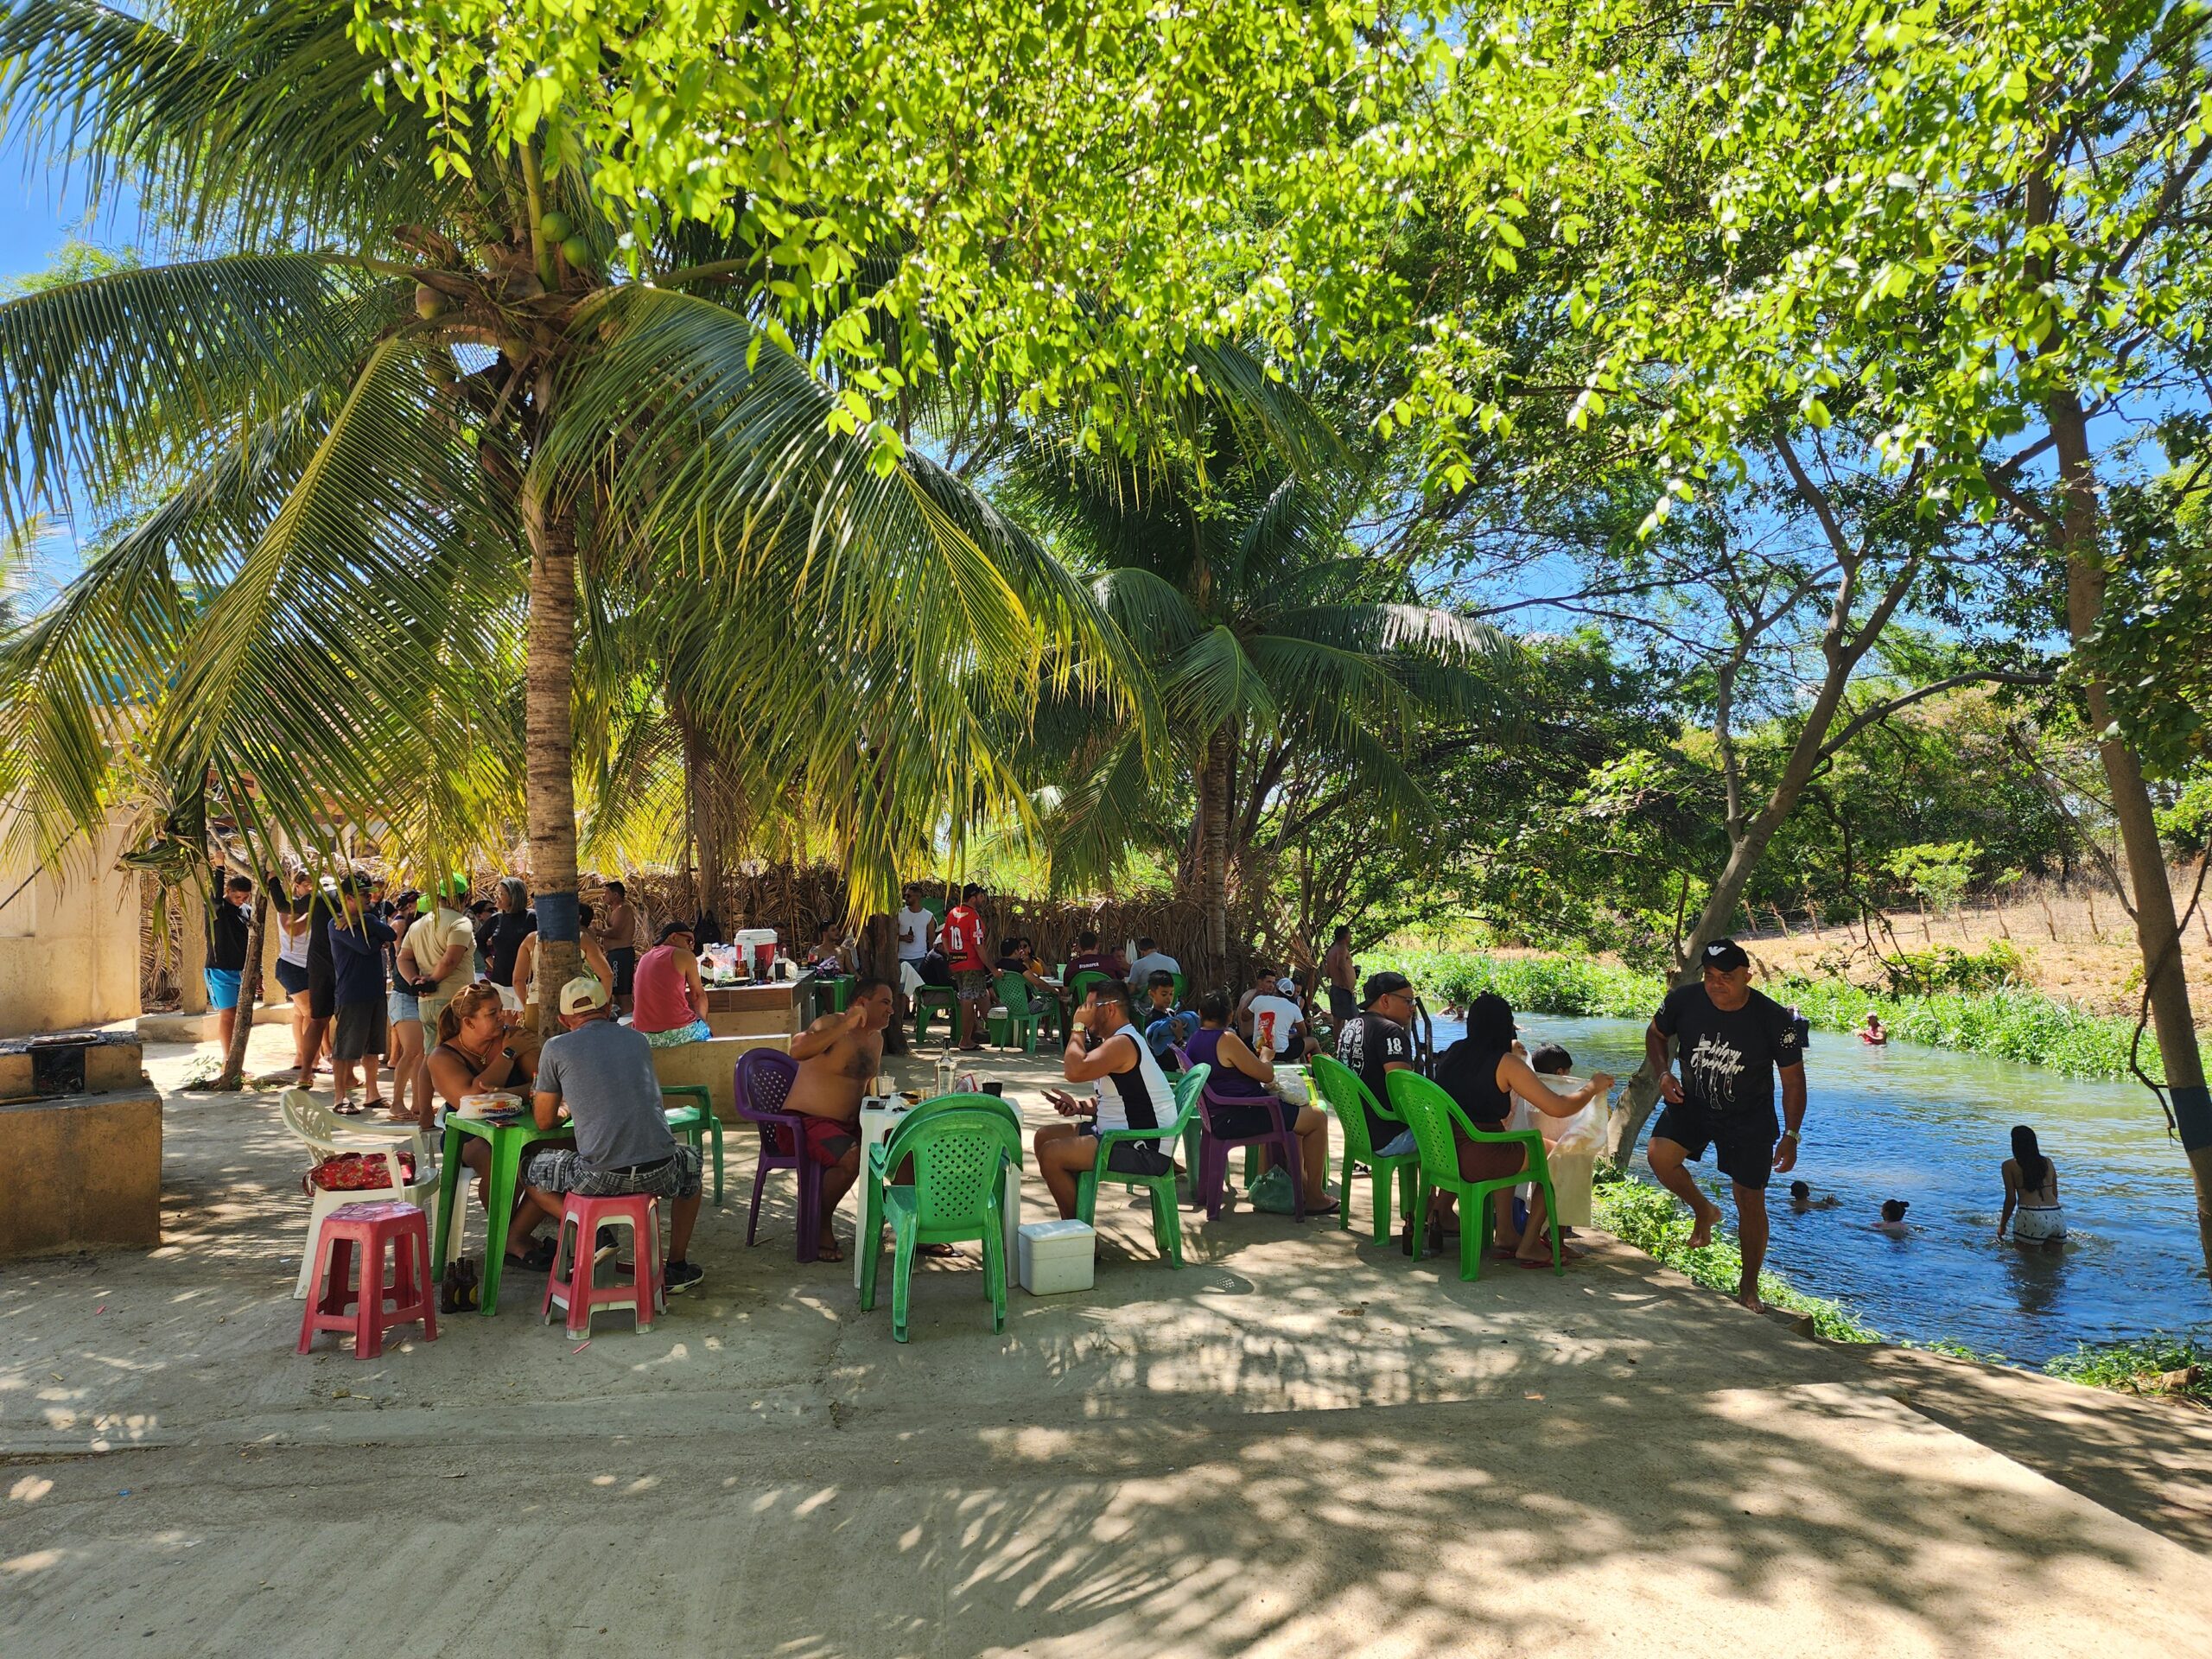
x: 508, y: 1142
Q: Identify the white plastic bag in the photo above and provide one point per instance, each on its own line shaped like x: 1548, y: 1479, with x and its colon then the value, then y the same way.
x: 1572, y: 1145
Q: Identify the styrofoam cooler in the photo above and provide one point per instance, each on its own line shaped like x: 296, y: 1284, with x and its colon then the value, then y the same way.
x: 1056, y: 1256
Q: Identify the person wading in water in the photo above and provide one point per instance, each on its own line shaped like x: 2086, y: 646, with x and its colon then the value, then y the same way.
x: 1730, y: 1040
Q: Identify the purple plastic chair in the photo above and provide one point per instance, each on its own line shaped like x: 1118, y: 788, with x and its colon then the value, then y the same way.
x: 763, y: 1081
x: 1214, y: 1149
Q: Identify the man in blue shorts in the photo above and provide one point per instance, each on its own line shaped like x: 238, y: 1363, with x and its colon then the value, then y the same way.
x: 1729, y: 1040
x: 230, y: 923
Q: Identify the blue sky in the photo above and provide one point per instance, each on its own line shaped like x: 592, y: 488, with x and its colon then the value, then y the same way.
x: 38, y: 215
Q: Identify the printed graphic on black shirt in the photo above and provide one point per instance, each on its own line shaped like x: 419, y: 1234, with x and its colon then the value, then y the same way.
x: 1727, y: 1057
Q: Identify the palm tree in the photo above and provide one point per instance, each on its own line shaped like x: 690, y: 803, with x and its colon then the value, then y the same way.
x: 380, y: 419
x: 1278, y: 644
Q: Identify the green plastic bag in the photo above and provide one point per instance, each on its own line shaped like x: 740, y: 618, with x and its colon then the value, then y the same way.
x: 1273, y: 1193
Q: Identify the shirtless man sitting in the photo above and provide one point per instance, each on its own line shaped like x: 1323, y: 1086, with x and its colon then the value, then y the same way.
x: 837, y: 1056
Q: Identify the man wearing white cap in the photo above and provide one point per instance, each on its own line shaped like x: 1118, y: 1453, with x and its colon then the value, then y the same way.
x: 603, y: 1073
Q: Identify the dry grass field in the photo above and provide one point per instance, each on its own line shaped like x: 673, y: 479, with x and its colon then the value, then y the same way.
x: 2078, y: 943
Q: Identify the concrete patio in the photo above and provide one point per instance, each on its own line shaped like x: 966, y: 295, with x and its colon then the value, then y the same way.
x: 1300, y: 1444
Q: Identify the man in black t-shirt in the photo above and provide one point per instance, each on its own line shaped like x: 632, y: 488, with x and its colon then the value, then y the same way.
x: 1729, y: 1041
x: 1376, y: 1043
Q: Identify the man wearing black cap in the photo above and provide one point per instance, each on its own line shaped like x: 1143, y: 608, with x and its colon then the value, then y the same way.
x: 1376, y: 1043
x: 1729, y: 1040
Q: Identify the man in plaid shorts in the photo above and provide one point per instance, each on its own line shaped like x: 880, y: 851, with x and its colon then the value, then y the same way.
x: 603, y: 1073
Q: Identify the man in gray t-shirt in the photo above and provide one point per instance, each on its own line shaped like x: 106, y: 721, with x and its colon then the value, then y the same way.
x: 603, y: 1074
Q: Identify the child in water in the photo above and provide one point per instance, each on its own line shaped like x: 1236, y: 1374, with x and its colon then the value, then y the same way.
x: 1801, y: 1198
x: 1892, y: 1221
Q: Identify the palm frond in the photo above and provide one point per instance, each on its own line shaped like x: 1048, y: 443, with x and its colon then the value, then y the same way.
x: 119, y: 379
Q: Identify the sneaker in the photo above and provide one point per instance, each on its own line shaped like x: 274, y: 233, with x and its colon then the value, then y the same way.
x: 680, y: 1276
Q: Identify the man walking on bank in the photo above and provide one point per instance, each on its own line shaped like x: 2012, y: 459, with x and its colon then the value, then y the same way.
x: 1730, y: 1040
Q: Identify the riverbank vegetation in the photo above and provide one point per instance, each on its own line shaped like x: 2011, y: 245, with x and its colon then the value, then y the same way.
x: 1653, y: 1221
x: 2006, y: 1022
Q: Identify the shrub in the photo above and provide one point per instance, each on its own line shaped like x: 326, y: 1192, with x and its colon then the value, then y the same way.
x: 2132, y: 1367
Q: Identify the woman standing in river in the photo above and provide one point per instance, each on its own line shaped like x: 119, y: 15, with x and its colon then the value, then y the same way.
x: 2032, y: 1188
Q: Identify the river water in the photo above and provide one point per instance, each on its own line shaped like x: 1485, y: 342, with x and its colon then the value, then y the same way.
x: 1932, y: 1127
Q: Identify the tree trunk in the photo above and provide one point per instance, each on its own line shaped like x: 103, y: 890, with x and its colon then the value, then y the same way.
x: 548, y: 740
x: 233, y: 1076
x: 2157, y: 934
x: 879, y: 954
x: 1638, y: 1100
x: 705, y: 817
x: 1213, y: 850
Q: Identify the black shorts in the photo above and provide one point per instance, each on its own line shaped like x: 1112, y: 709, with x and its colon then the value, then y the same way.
x: 292, y: 975
x: 358, y: 1031
x: 1135, y: 1157
x: 1744, y: 1142
x: 624, y: 962
x: 1343, y: 1005
x: 322, y: 992
x: 1244, y: 1119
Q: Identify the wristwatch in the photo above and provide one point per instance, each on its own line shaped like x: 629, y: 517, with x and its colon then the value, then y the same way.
x: 1789, y: 1135
x: 507, y: 1053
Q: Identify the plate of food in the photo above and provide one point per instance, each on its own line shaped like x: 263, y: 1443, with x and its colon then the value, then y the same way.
x: 497, y: 1103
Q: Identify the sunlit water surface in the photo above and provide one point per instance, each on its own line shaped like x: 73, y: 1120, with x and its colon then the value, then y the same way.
x: 1932, y: 1127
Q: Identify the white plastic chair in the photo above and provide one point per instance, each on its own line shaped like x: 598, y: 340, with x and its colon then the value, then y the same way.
x: 327, y: 1134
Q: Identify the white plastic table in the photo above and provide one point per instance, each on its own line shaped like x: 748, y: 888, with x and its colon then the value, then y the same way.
x: 877, y: 1120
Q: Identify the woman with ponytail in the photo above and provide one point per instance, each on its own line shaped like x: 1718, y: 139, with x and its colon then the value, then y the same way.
x: 478, y: 1051
x: 2032, y: 1188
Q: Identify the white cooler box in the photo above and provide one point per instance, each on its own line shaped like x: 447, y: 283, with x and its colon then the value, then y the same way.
x: 1056, y: 1256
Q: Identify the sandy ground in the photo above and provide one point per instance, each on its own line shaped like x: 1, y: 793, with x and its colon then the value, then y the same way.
x: 1299, y: 1444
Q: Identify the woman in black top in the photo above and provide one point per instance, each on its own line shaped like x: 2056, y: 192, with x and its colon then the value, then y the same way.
x: 1483, y: 1072
x: 513, y: 922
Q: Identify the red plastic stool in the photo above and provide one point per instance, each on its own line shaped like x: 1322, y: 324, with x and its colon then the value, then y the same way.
x: 644, y: 1294
x: 333, y: 1290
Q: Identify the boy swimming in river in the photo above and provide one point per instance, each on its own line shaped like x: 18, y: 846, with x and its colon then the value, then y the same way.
x: 1892, y: 1221
x: 1801, y: 1198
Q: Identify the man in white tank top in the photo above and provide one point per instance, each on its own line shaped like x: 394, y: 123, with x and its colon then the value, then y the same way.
x: 1128, y: 1090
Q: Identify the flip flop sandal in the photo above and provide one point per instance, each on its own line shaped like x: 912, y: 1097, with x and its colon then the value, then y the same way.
x: 348, y: 1107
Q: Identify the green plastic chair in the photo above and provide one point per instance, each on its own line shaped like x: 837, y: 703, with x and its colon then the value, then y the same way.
x: 1166, y: 1220
x: 833, y: 995
x: 961, y: 1151
x: 930, y: 997
x: 1182, y: 986
x: 1079, y: 985
x: 698, y: 1123
x: 1344, y: 1094
x: 1022, y: 1021
x: 1432, y: 1114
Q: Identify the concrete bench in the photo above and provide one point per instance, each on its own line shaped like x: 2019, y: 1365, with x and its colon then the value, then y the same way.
x: 713, y: 1063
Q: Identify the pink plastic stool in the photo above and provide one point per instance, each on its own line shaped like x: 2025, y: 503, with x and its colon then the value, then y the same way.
x: 643, y: 1294
x: 333, y: 1290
